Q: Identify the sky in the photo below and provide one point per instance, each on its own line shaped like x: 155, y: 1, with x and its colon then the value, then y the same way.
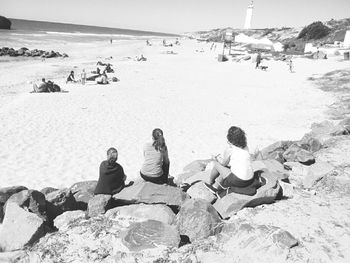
x: 177, y: 16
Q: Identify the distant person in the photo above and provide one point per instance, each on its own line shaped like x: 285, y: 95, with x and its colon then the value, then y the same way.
x: 102, y: 80
x: 83, y: 77
x: 71, y: 77
x: 141, y: 58
x: 291, y: 66
x: 112, y: 177
x: 148, y: 43
x: 43, y: 87
x: 156, y: 163
x: 234, y: 169
x: 111, y: 40
x: 258, y: 60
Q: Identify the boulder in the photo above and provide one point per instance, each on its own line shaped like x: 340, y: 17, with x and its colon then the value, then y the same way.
x: 5, y: 194
x: 287, y: 189
x: 5, y: 23
x: 197, y: 177
x: 64, y: 220
x: 149, y: 193
x: 99, y: 204
x: 316, y: 172
x: 198, y: 219
x: 297, y: 154
x: 310, y: 144
x: 272, y: 166
x: 18, y: 256
x: 20, y: 228
x: 274, y: 151
x: 62, y: 199
x: 266, y: 194
x: 83, y: 192
x: 196, y: 166
x: 31, y: 200
x: 252, y: 242
x: 48, y: 190
x: 199, y: 191
x: 150, y: 234
x: 142, y: 212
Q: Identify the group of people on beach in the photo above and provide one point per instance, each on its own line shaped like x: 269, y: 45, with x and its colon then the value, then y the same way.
x: 232, y: 170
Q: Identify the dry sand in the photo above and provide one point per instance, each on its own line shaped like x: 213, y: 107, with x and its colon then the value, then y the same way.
x: 57, y: 139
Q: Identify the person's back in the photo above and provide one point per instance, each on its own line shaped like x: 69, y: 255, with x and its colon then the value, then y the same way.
x: 152, y: 165
x: 240, y: 162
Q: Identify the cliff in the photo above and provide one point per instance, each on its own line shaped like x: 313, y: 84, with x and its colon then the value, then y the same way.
x: 5, y: 23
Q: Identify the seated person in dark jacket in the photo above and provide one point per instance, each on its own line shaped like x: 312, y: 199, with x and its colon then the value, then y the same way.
x: 112, y: 177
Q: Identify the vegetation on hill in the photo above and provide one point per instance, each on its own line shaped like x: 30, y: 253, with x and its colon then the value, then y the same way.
x: 314, y: 31
x: 5, y: 23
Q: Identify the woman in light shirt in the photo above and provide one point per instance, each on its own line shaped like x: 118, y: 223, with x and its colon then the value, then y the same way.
x: 234, y: 168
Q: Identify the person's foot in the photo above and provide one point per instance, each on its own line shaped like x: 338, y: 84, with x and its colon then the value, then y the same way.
x: 211, y: 188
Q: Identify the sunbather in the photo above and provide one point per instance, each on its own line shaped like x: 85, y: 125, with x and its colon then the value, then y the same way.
x: 71, y: 78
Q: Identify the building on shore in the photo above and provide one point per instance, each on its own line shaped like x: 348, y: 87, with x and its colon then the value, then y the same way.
x: 249, y: 15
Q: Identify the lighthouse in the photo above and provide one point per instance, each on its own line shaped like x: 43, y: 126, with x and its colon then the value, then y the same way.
x: 248, y: 18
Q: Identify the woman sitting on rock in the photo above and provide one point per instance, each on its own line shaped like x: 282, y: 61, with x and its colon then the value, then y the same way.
x: 155, y: 168
x: 234, y: 169
x: 112, y: 177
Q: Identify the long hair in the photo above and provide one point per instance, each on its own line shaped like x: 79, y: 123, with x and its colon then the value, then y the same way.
x: 236, y: 136
x: 112, y: 155
x: 158, y: 140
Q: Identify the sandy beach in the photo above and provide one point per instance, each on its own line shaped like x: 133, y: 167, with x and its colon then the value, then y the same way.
x: 57, y: 139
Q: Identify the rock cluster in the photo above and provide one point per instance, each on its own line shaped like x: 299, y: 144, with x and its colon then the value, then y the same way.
x: 160, y: 223
x: 25, y: 52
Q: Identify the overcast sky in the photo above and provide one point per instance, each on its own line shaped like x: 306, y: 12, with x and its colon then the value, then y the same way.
x: 176, y: 16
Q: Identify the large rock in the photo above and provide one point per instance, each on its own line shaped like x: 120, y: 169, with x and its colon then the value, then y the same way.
x: 266, y: 194
x: 18, y: 256
x: 20, y: 228
x: 5, y: 23
x: 196, y: 166
x: 197, y: 177
x: 252, y: 242
x: 64, y: 220
x: 272, y: 166
x: 48, y: 190
x: 316, y: 172
x: 31, y: 200
x: 142, y: 212
x: 83, y: 192
x: 297, y: 154
x: 149, y: 193
x: 5, y: 194
x: 274, y: 151
x: 198, y: 219
x: 150, y: 234
x: 62, y: 199
x: 199, y: 191
x: 99, y: 204
x: 310, y: 144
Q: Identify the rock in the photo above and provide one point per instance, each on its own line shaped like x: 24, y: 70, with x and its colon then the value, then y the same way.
x: 197, y: 177
x: 62, y: 199
x: 334, y: 185
x: 5, y: 23
x: 99, y: 204
x: 149, y: 193
x: 199, y: 191
x: 310, y: 144
x: 142, y: 212
x: 31, y: 200
x: 316, y: 172
x: 150, y: 234
x: 266, y: 194
x: 297, y: 154
x: 64, y: 220
x: 252, y: 242
x: 343, y: 128
x: 5, y: 194
x: 48, y: 190
x: 274, y: 151
x: 19, y: 256
x: 287, y: 189
x: 271, y: 166
x: 197, y: 166
x: 20, y: 228
x: 83, y: 192
x: 64, y: 55
x: 198, y: 219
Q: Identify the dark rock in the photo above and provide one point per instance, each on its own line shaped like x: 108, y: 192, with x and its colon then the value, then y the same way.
x: 48, y: 190
x: 99, y: 204
x: 297, y: 154
x: 149, y: 193
x: 82, y: 199
x: 31, y: 200
x: 62, y: 199
x: 64, y: 55
x: 5, y: 194
x: 83, y: 192
x: 274, y: 151
x: 150, y: 234
x: 143, y: 212
x: 266, y: 194
x: 5, y: 23
x: 20, y: 228
x: 198, y: 219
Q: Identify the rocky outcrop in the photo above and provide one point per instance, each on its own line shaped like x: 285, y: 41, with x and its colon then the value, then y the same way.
x: 62, y: 199
x: 99, y: 204
x: 5, y: 23
x: 83, y: 192
x: 200, y: 191
x: 20, y: 228
x: 274, y: 151
x: 149, y: 193
x: 5, y: 194
x: 198, y: 219
x: 68, y: 218
x: 150, y: 234
x: 25, y: 52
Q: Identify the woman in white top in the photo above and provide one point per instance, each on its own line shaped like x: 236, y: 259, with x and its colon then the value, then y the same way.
x: 234, y: 169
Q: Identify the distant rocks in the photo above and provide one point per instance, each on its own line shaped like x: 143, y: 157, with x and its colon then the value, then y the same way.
x: 25, y: 52
x: 5, y: 23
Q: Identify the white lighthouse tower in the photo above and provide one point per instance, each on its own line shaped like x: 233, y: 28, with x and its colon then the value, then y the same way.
x: 248, y: 18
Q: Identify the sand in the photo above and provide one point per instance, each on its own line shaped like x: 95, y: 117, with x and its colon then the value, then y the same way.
x: 57, y: 139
